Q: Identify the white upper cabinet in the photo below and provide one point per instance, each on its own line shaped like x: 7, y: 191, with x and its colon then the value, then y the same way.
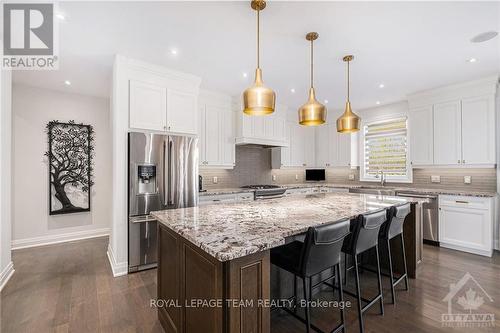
x: 182, y: 113
x: 478, y: 130
x: 447, y: 133
x: 464, y: 132
x: 455, y: 125
x: 311, y: 147
x: 421, y: 136
x: 333, y: 149
x: 147, y: 106
x: 343, y: 148
x: 216, y: 131
x: 227, y: 139
x: 309, y: 143
x: 157, y: 98
x: 297, y: 145
x: 210, y: 139
x: 280, y: 157
x: 323, y: 147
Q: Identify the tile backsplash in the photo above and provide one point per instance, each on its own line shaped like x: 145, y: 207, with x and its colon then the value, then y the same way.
x: 253, y: 166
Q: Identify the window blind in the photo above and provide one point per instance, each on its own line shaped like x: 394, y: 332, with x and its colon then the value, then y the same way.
x: 386, y: 149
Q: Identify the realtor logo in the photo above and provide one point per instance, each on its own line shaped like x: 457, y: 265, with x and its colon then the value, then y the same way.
x: 29, y: 36
x: 468, y: 294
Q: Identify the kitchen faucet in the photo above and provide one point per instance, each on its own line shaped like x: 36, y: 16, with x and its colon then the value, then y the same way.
x: 382, y: 177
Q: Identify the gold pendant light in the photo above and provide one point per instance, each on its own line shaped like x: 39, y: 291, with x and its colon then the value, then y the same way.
x: 349, y: 122
x: 258, y: 100
x: 312, y: 113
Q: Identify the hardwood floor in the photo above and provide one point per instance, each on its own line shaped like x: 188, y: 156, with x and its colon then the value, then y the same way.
x: 69, y: 288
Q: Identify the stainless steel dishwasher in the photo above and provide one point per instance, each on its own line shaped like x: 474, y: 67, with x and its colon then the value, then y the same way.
x: 430, y: 216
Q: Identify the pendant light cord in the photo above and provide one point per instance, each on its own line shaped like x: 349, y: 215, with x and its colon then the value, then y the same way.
x: 348, y: 89
x: 258, y: 38
x: 312, y: 66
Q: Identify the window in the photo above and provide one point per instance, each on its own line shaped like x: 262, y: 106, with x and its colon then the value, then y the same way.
x: 385, y: 149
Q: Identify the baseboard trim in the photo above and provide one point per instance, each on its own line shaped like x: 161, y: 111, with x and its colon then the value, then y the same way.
x: 118, y: 269
x: 6, y: 274
x: 55, y: 239
x: 486, y: 253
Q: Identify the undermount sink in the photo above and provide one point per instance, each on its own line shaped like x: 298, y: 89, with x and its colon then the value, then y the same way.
x: 373, y: 190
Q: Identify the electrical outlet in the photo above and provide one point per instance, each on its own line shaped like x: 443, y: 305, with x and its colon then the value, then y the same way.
x: 435, y: 179
x: 296, y: 177
x: 274, y: 178
x: 467, y: 179
x: 351, y: 176
x: 215, y: 180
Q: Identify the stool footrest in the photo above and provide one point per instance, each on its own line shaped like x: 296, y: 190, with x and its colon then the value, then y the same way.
x: 369, y: 302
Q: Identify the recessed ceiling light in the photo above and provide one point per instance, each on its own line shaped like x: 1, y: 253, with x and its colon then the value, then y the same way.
x: 245, y: 74
x: 173, y: 51
x: 472, y: 60
x: 381, y: 85
x: 67, y: 82
x: 326, y: 101
x: 377, y: 102
x: 483, y: 37
x: 61, y: 16
x: 292, y: 91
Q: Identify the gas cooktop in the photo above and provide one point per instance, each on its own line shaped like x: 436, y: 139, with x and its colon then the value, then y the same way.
x: 260, y: 187
x: 266, y: 191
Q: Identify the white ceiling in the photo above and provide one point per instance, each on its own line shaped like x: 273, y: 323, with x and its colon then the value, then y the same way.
x: 408, y: 46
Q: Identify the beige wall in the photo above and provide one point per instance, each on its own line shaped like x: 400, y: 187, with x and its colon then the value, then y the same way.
x: 6, y: 267
x: 33, y: 108
x: 253, y: 166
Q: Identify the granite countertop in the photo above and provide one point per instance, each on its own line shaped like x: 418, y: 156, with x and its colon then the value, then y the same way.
x: 416, y: 190
x: 230, y: 231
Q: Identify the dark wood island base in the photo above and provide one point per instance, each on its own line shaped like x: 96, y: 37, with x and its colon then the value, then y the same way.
x: 198, y: 293
x: 211, y: 285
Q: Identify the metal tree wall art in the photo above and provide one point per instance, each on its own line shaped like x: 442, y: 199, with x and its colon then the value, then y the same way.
x: 70, y: 166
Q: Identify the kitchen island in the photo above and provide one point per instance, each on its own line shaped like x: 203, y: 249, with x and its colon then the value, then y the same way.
x: 213, y: 261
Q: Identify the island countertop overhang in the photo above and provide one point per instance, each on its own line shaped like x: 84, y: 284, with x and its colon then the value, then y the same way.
x: 231, y: 231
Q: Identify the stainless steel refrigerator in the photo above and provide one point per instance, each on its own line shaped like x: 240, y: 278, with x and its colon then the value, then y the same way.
x: 163, y: 174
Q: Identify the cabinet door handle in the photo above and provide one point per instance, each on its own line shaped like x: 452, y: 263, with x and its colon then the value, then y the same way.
x: 458, y: 161
x: 463, y: 161
x: 461, y: 201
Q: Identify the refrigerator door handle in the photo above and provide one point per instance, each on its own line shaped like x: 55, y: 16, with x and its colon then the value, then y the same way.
x: 165, y: 166
x: 170, y: 171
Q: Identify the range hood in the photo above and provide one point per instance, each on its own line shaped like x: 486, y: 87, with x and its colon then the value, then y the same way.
x: 267, y: 131
x: 260, y: 142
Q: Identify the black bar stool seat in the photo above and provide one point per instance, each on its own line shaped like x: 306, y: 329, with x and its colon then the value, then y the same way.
x: 320, y: 251
x: 364, y: 237
x: 392, y: 229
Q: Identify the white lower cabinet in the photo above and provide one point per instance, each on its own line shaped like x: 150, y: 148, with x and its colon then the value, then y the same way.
x: 466, y: 224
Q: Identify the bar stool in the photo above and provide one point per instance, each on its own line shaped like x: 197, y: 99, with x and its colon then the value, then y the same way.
x: 319, y: 251
x: 364, y: 237
x: 390, y: 230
